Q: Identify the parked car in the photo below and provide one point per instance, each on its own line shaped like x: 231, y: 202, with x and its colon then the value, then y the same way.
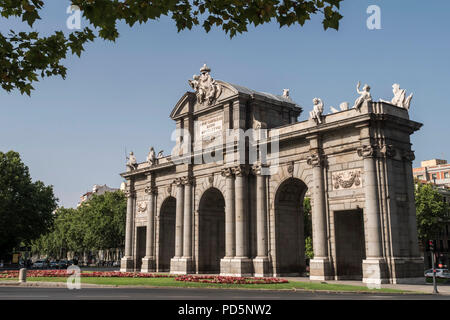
x: 40, y: 264
x: 440, y: 273
x: 54, y: 265
x: 63, y: 264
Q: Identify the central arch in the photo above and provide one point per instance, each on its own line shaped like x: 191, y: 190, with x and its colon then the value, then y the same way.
x: 211, y: 246
x: 166, y: 248
x: 289, y: 227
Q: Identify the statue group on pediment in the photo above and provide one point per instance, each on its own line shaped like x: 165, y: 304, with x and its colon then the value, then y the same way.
x: 205, y: 87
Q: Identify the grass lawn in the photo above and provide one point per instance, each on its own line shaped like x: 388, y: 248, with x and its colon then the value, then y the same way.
x: 170, y: 282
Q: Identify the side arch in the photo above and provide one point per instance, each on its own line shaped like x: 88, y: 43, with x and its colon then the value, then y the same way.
x: 211, y: 231
x: 289, y: 227
x: 166, y: 233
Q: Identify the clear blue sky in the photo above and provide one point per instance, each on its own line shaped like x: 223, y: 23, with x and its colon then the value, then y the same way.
x: 72, y: 133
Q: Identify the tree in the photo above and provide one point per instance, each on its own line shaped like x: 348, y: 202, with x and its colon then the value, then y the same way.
x: 24, y: 56
x: 307, y: 220
x: 98, y: 224
x: 104, y: 218
x: 431, y: 211
x: 25, y: 207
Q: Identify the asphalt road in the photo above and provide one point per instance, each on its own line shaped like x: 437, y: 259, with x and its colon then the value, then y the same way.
x: 39, y: 293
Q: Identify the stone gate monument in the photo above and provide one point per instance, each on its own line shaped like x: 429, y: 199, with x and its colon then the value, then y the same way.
x: 233, y: 206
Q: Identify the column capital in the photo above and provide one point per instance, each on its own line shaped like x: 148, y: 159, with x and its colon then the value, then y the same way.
x: 129, y: 193
x: 388, y: 151
x: 241, y: 171
x: 408, y: 155
x: 151, y: 190
x: 187, y: 181
x: 226, y: 172
x: 257, y: 169
x: 368, y: 151
x: 315, y: 160
x: 178, y: 182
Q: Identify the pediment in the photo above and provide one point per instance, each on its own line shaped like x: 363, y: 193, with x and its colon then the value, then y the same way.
x: 183, y: 105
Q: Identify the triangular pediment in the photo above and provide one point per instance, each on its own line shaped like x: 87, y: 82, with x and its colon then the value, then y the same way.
x: 183, y: 105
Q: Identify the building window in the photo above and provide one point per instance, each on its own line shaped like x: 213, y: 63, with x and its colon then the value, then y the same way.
x: 447, y: 175
x: 420, y: 177
x: 434, y: 176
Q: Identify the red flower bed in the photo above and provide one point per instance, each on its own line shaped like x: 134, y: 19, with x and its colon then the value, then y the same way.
x: 64, y: 273
x: 229, y: 280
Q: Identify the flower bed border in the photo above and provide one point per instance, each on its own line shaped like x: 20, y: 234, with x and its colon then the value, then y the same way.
x: 100, y: 274
x: 229, y: 280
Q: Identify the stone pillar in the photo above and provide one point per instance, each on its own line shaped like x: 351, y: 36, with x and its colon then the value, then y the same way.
x: 261, y: 262
x: 374, y: 266
x: 225, y: 263
x: 174, y: 262
x: 148, y: 262
x: 408, y: 158
x: 320, y: 266
x: 126, y: 264
x: 241, y: 265
x: 414, y: 265
x: 185, y: 263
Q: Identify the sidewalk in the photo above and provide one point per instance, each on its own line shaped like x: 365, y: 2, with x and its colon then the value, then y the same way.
x: 426, y: 288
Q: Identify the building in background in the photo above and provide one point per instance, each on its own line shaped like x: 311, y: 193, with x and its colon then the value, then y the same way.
x: 436, y: 171
x: 96, y: 189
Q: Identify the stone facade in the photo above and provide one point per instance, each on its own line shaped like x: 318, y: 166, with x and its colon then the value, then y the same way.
x: 232, y: 218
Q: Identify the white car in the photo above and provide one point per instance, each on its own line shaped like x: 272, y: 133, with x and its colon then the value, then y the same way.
x: 440, y: 273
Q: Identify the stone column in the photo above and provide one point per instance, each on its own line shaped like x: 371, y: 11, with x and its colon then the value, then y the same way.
x: 408, y: 158
x: 148, y: 262
x: 414, y: 272
x: 374, y: 266
x: 185, y: 264
x: 225, y: 263
x: 261, y: 262
x: 174, y: 263
x: 320, y: 267
x: 126, y: 264
x: 241, y: 265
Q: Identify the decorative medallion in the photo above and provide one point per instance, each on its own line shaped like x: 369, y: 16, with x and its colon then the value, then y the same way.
x: 349, y: 179
x: 141, y: 207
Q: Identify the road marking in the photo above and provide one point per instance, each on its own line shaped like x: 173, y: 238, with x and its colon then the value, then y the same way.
x: 15, y: 296
x: 107, y: 297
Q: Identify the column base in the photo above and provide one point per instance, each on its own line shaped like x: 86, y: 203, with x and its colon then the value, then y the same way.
x: 225, y: 266
x: 320, y: 269
x: 127, y: 264
x: 241, y: 267
x: 407, y: 270
x: 148, y: 264
x: 183, y: 265
x: 375, y: 271
x: 261, y: 267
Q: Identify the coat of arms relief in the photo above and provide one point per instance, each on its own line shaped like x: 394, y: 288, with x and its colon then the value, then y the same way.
x: 205, y: 87
x: 350, y: 179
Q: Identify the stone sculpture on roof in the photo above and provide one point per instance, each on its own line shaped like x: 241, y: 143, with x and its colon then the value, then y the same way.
x: 205, y: 87
x: 399, y: 99
x: 365, y: 95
